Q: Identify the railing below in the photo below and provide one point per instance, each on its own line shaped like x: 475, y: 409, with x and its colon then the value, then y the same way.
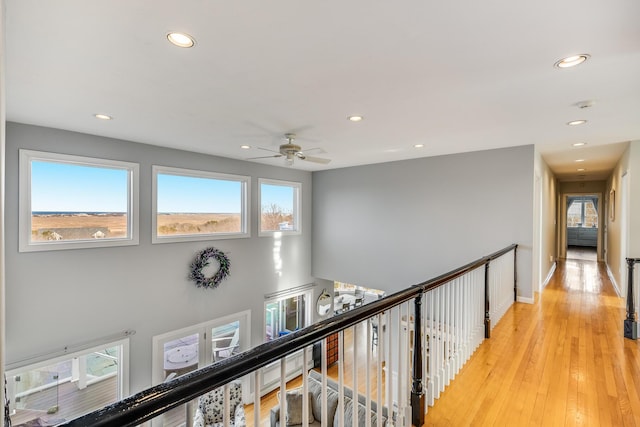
x: 630, y: 325
x: 422, y: 336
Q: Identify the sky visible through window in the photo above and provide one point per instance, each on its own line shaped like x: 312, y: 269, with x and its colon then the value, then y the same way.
x: 188, y: 194
x: 281, y: 195
x: 64, y: 187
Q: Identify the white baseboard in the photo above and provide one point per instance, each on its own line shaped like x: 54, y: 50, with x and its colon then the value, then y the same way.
x: 526, y: 300
x: 551, y: 271
x: 613, y: 281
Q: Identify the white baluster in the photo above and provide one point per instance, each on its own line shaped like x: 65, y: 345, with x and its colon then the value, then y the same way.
x: 256, y: 397
x: 323, y: 359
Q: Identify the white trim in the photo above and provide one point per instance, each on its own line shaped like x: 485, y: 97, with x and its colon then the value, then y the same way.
x: 526, y: 300
x: 245, y: 182
x: 123, y: 366
x: 305, y: 291
x: 549, y: 275
x: 613, y: 281
x: 63, y: 353
x: 25, y: 211
x: 289, y: 292
x: 297, y: 207
x: 204, y: 350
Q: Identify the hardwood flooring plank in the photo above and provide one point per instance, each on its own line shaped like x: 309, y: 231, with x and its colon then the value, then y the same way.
x: 560, y: 361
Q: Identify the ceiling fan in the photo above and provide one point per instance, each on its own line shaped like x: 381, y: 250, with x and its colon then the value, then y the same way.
x: 291, y: 151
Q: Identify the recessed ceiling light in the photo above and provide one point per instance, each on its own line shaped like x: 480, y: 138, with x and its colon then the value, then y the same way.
x: 572, y: 61
x: 181, y: 39
x: 102, y: 116
x: 576, y: 122
x: 355, y: 118
x: 245, y: 147
x: 579, y: 160
x: 418, y: 146
x: 581, y: 169
x: 579, y: 144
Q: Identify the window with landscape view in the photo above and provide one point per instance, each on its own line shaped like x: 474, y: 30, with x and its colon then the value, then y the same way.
x: 198, y: 205
x: 69, y: 202
x: 279, y: 207
x: 582, y: 212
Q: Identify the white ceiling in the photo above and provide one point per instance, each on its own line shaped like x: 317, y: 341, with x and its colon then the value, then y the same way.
x: 456, y: 76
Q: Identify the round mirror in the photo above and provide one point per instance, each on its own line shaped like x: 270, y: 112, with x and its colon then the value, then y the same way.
x: 324, y: 303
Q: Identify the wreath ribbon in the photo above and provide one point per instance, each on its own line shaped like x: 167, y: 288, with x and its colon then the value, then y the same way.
x: 202, y: 261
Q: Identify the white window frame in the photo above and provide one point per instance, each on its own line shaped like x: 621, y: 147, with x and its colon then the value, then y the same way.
x: 297, y: 207
x: 205, y: 348
x: 123, y: 365
x: 24, y: 220
x: 245, y: 182
x: 270, y: 374
x: 204, y: 341
x: 305, y: 291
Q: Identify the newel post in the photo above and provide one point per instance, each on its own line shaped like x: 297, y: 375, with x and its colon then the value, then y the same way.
x: 417, y: 389
x: 515, y: 274
x: 487, y: 317
x: 630, y: 324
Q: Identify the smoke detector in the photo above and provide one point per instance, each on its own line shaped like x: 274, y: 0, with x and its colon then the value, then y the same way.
x: 585, y: 104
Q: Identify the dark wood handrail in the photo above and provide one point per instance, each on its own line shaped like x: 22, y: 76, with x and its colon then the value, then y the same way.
x: 152, y: 402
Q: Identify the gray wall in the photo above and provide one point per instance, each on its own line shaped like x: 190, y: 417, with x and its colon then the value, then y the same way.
x: 59, y: 298
x: 391, y: 225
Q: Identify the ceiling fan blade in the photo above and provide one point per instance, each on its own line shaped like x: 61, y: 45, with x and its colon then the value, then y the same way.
x: 265, y: 157
x: 267, y: 149
x: 316, y: 160
x: 316, y: 150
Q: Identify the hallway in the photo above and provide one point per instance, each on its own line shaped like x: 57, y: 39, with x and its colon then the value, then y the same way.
x: 561, y: 361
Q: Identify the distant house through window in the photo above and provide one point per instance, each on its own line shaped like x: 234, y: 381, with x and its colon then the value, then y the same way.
x: 198, y: 205
x: 582, y: 221
x: 582, y: 212
x: 279, y: 207
x: 69, y: 202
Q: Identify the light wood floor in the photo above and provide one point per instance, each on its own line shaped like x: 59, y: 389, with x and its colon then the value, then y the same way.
x: 559, y: 362
x: 562, y: 361
x: 584, y: 253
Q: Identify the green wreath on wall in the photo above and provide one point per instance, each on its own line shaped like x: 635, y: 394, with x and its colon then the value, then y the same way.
x: 202, y: 261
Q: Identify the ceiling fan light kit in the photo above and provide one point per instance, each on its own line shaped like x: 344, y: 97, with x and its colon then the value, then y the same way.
x: 290, y: 152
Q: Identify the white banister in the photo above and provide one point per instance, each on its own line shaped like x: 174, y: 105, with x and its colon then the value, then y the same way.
x: 436, y: 325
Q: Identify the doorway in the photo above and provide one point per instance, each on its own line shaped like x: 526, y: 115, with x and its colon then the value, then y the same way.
x: 179, y: 352
x: 582, y: 227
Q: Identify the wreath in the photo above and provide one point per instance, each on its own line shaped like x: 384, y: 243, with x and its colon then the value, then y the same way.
x: 201, y: 261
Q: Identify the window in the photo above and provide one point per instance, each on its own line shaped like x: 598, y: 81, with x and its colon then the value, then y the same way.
x: 70, y: 202
x: 179, y: 352
x: 90, y: 379
x: 279, y: 207
x: 286, y: 314
x: 582, y: 212
x: 198, y: 205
